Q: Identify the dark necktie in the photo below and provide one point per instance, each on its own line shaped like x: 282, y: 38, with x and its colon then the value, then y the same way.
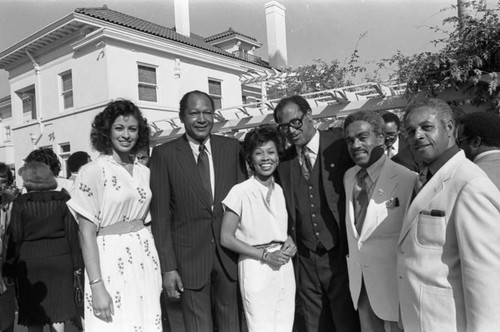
x: 305, y: 162
x: 204, y: 169
x: 360, y: 199
x: 420, y: 181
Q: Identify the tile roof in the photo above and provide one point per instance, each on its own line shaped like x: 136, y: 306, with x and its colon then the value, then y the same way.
x: 229, y: 32
x: 112, y: 16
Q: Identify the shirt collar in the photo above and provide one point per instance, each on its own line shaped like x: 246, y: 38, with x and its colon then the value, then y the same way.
x: 375, y: 169
x: 312, y: 145
x: 112, y: 160
x: 195, y: 145
x: 485, y: 153
x: 434, y: 166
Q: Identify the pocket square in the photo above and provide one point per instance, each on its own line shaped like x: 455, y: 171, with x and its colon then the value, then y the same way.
x: 393, y: 202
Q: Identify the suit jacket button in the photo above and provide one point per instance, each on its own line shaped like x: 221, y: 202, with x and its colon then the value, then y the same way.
x: 212, y: 240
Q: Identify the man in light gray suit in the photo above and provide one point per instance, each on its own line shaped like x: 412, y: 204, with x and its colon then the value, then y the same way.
x: 479, y: 137
x: 448, y: 250
x: 378, y: 191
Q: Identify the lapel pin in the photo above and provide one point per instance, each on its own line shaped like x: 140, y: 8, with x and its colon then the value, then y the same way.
x: 380, y: 191
x: 332, y: 165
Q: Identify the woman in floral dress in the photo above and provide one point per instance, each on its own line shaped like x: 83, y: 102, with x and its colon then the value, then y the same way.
x: 110, y: 199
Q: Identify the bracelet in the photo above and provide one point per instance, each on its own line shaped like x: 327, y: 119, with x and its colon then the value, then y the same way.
x: 264, y: 255
x: 95, y: 281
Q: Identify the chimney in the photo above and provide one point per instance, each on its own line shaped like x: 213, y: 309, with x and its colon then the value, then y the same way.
x: 276, y: 34
x: 181, y: 11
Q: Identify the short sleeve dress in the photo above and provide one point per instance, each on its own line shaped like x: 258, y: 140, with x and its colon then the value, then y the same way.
x: 106, y: 194
x: 268, y: 293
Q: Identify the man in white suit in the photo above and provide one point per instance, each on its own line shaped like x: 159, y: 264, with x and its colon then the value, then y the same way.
x: 377, y: 193
x: 449, y: 248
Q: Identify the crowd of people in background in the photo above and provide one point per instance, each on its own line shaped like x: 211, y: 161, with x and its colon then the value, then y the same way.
x: 387, y: 224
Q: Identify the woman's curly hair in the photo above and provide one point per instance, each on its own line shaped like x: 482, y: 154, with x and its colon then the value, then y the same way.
x: 100, y: 136
x: 259, y: 136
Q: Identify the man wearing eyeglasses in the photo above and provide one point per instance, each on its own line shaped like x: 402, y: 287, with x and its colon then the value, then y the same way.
x: 311, y: 175
x: 395, y: 146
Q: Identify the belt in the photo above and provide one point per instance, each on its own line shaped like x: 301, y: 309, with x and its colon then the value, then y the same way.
x: 269, y: 245
x: 123, y: 227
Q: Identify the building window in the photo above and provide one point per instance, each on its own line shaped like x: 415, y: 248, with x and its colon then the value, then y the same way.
x: 147, y: 83
x: 7, y: 133
x: 28, y: 99
x: 67, y: 89
x: 215, y: 91
x: 6, y: 111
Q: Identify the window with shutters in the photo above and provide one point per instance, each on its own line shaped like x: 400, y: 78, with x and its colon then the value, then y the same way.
x: 67, y: 89
x: 147, y: 83
x: 7, y: 134
x: 215, y: 91
x: 28, y: 101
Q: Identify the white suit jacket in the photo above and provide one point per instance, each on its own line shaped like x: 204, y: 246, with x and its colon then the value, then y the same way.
x: 449, y: 259
x: 372, y: 254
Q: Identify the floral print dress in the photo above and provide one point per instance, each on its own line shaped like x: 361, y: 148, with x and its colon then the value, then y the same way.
x: 105, y: 193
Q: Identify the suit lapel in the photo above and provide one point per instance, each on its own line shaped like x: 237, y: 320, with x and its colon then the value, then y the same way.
x: 219, y: 166
x: 285, y: 173
x: 326, y: 168
x: 428, y: 192
x: 349, y: 189
x: 188, y: 166
x: 383, y: 189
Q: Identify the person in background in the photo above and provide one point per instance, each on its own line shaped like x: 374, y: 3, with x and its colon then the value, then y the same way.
x: 479, y: 137
x: 378, y: 192
x: 44, y: 240
x: 396, y: 147
x: 75, y: 161
x: 189, y: 178
x: 311, y: 175
x: 110, y: 200
x: 448, y: 249
x: 7, y: 297
x: 143, y: 156
x: 49, y: 158
x: 255, y: 227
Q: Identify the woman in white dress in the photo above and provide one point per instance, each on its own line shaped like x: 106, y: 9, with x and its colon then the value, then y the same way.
x: 255, y: 226
x: 110, y: 199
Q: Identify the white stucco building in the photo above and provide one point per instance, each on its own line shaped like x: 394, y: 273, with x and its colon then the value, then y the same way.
x: 63, y: 75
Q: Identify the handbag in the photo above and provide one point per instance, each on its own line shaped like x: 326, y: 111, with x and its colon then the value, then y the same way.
x: 78, y: 288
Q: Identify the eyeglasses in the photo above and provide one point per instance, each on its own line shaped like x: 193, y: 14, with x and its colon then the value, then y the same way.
x: 460, y: 140
x: 294, y: 123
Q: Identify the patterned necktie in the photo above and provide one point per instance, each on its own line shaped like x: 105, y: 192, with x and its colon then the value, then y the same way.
x: 305, y: 164
x: 360, y: 199
x: 204, y: 169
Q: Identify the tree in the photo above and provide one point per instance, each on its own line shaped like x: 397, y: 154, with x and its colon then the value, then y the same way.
x: 318, y: 76
x: 469, y: 57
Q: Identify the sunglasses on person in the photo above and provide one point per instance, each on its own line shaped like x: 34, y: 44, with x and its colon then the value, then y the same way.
x: 294, y: 123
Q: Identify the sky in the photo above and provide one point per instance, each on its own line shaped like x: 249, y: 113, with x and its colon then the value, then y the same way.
x: 316, y: 29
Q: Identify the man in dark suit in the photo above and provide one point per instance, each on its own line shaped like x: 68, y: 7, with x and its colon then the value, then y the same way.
x: 190, y: 176
x: 479, y: 137
x: 312, y: 179
x: 396, y: 147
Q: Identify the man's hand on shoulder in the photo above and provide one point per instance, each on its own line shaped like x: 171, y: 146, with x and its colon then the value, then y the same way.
x: 172, y: 283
